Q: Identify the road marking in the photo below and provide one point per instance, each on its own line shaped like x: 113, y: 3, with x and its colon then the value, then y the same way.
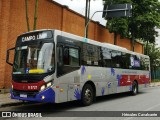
x: 150, y: 108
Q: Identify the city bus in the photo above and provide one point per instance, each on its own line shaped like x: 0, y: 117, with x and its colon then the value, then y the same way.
x: 54, y: 66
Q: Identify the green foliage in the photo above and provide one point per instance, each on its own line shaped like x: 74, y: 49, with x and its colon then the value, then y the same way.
x: 122, y: 24
x: 145, y: 17
x: 156, y: 80
x: 154, y: 53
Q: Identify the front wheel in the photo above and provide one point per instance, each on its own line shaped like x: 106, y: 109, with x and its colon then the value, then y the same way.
x: 134, y: 88
x: 87, y: 95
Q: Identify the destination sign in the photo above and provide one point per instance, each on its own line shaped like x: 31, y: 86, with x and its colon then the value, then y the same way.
x: 36, y: 36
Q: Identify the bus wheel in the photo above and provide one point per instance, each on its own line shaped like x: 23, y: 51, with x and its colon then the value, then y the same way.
x: 134, y: 88
x: 87, y: 95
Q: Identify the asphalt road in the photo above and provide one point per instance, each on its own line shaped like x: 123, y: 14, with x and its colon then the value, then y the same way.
x: 146, y: 100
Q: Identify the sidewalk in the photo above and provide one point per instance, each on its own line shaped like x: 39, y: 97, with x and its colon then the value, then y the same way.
x: 154, y: 84
x: 5, y: 99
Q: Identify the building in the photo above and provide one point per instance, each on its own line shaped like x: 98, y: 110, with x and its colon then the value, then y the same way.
x: 51, y: 15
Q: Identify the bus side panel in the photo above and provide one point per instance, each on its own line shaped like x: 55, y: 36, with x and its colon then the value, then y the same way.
x: 106, y: 82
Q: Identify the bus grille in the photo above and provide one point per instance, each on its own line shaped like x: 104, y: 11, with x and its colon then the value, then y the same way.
x: 30, y: 94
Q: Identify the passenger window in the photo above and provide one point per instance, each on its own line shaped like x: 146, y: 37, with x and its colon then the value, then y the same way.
x: 91, y: 55
x: 71, y: 56
x: 68, y: 60
x: 66, y: 56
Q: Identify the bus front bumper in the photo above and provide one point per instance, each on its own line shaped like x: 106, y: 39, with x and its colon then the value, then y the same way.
x: 47, y: 96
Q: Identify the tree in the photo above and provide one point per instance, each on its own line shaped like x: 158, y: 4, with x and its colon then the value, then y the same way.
x: 154, y: 54
x: 35, y: 15
x: 145, y: 16
x: 27, y: 18
x: 117, y: 25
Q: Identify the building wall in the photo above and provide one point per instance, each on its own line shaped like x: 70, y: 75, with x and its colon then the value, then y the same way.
x: 5, y: 17
x: 51, y: 15
x: 1, y: 82
x: 138, y: 47
x: 124, y: 42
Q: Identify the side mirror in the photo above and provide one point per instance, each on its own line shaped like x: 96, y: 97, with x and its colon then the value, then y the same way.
x: 7, y: 57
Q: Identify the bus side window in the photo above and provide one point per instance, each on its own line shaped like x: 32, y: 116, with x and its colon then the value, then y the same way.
x: 68, y: 60
x: 59, y: 60
x: 74, y: 57
x: 135, y: 62
x: 60, y: 55
x: 66, y: 56
x: 71, y: 56
x: 106, y: 57
x: 144, y: 63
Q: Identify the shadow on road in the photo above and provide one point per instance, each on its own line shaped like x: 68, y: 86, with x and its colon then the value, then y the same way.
x: 116, y: 96
x: 54, y: 108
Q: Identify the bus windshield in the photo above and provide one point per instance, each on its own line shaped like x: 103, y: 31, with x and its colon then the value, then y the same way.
x: 33, y: 59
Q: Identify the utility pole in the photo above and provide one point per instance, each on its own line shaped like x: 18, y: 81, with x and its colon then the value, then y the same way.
x: 87, y: 13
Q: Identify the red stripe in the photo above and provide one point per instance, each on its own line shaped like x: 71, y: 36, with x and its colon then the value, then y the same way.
x: 27, y: 86
x: 142, y: 79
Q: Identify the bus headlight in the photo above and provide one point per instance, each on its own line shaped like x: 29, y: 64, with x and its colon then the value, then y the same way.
x: 42, y: 87
x: 49, y: 84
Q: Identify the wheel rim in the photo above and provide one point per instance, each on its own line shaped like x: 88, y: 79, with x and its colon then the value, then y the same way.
x: 88, y: 95
x: 135, y: 89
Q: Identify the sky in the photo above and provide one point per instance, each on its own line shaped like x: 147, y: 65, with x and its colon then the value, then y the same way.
x: 79, y: 6
x: 158, y: 38
x: 96, y: 5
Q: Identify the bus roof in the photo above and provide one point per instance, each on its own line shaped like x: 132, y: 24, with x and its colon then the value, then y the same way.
x: 108, y: 45
x: 82, y: 39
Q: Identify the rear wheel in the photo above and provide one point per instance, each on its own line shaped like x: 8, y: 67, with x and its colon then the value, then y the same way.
x: 134, y: 88
x: 87, y: 95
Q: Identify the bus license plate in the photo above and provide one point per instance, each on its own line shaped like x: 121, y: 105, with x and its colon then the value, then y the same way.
x: 23, y: 95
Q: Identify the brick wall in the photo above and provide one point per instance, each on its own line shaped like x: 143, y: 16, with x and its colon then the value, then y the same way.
x: 1, y: 82
x: 50, y: 16
x: 138, y: 47
x: 5, y: 25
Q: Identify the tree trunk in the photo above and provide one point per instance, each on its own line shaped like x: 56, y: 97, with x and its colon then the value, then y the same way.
x: 27, y: 19
x: 35, y: 15
x: 147, y: 48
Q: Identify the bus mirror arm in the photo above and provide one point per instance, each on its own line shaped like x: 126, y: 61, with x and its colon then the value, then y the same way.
x: 7, y: 57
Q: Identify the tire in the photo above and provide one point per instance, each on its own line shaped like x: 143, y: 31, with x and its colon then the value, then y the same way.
x: 87, y: 95
x: 134, y: 88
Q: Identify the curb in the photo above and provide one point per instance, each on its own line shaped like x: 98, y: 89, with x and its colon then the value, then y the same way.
x: 15, y: 103
x: 154, y: 84
x: 11, y: 104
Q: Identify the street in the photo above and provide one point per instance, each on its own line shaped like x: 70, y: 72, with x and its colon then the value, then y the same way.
x: 146, y: 100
